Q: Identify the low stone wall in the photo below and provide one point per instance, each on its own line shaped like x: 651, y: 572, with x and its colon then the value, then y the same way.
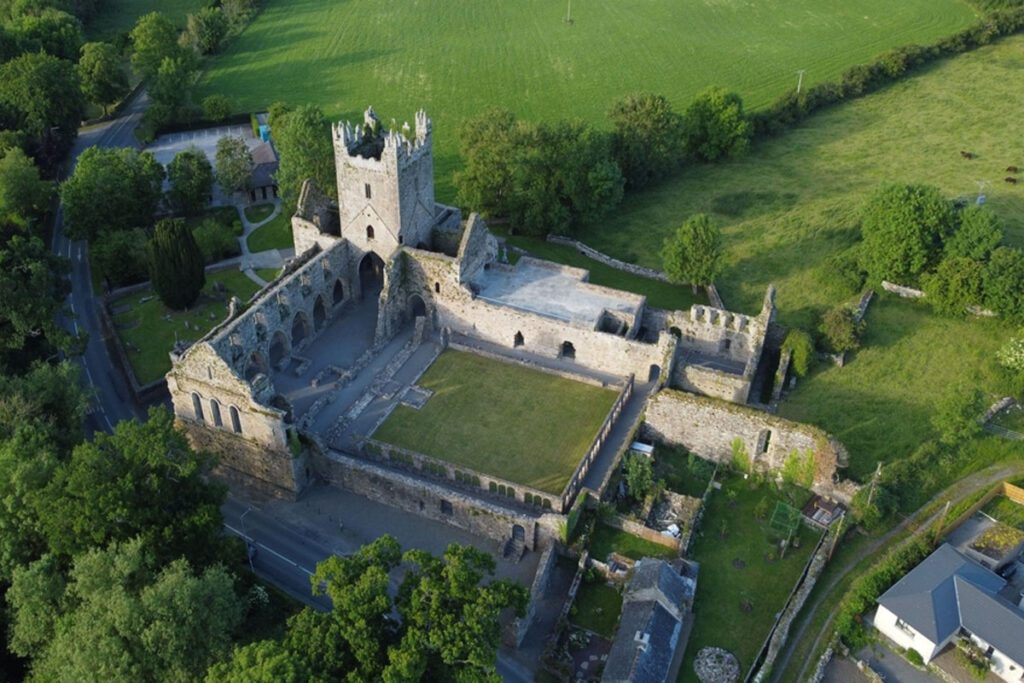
x: 630, y: 527
x: 608, y: 260
x: 710, y: 382
x: 432, y: 501
x: 901, y: 291
x: 780, y: 632
x: 537, y: 589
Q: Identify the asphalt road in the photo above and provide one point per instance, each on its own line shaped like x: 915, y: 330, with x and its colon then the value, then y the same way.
x: 112, y: 397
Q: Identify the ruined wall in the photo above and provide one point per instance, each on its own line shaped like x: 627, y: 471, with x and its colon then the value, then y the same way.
x: 431, y: 500
x: 714, y: 332
x: 710, y: 382
x: 476, y: 249
x: 315, y: 222
x: 707, y: 427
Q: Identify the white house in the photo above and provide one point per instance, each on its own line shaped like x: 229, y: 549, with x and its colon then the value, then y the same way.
x: 949, y: 595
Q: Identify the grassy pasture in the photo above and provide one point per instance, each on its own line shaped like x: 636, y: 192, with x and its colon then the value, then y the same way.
x: 502, y: 419
x: 457, y: 59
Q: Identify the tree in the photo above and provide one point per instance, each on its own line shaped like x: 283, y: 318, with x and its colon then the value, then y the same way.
x: 639, y: 476
x: 119, y: 614
x: 489, y: 148
x: 903, y: 228
x: 1004, y: 283
x: 238, y: 12
x: 111, y: 189
x: 265, y: 661
x: 191, y: 179
x: 154, y: 39
x: 34, y: 285
x: 1011, y: 355
x: 104, y: 79
x: 176, y: 266
x: 740, y: 459
x: 801, y: 348
x: 957, y: 415
x: 23, y: 194
x: 714, y: 125
x: 648, y: 141
x: 694, y: 254
x: 143, y: 480
x: 216, y: 108
x: 171, y: 89
x: 979, y: 233
x: 40, y: 95
x: 120, y: 255
x: 841, y: 329
x: 234, y: 165
x: 955, y: 285
x: 51, y: 31
x: 304, y: 145
x: 206, y: 29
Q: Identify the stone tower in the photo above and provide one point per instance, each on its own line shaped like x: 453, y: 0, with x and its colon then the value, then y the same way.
x: 385, y: 184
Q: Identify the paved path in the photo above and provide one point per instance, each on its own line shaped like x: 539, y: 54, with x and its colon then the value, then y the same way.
x: 954, y: 493
x: 272, y: 258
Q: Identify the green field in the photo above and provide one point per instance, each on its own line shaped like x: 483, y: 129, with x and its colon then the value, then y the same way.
x: 148, y: 337
x: 1006, y: 511
x: 742, y: 582
x: 115, y: 16
x: 457, y: 59
x: 502, y: 419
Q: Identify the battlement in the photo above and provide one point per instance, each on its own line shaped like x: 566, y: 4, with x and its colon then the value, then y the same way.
x: 370, y: 141
x: 718, y: 316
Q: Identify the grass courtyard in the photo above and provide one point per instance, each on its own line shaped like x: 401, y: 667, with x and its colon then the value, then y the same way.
x: 147, y: 333
x: 607, y: 540
x: 457, y: 59
x: 742, y: 582
x: 597, y: 608
x: 502, y: 419
x: 277, y: 234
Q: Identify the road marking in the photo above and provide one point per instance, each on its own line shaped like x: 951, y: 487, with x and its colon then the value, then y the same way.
x: 69, y: 248
x: 269, y: 550
x: 79, y: 254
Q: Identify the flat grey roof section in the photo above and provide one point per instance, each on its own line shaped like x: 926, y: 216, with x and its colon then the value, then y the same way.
x: 554, y: 291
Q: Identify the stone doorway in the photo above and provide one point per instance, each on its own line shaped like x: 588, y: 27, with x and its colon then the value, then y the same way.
x: 371, y: 274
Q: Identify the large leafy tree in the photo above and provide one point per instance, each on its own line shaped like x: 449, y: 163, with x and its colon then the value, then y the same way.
x: 191, y: 178
x: 40, y: 96
x: 142, y: 480
x: 694, y: 254
x: 903, y: 227
x: 304, y: 143
x: 978, y: 234
x: 51, y: 31
x: 443, y: 624
x: 24, y: 195
x: 122, y: 614
x: 490, y: 145
x: 176, y: 264
x: 955, y: 285
x: 34, y: 285
x: 206, y: 29
x: 841, y: 329
x: 103, y: 76
x: 234, y: 164
x: 111, y: 189
x: 154, y: 39
x: 1004, y: 283
x: 648, y: 141
x: 715, y: 126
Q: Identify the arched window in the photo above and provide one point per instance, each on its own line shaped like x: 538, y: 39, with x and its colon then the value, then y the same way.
x: 236, y: 422
x: 369, y: 232
x: 568, y: 350
x: 338, y: 295
x: 437, y: 288
x: 518, y: 340
x: 215, y: 411
x: 197, y: 407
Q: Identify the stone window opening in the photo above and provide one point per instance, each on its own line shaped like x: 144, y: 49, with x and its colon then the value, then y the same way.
x: 726, y: 344
x: 568, y: 350
x: 197, y: 407
x: 446, y: 508
x: 369, y: 232
x: 338, y: 295
x: 437, y: 288
x: 400, y: 239
x: 209, y: 373
x: 215, y: 411
x: 653, y: 373
x: 366, y: 188
x: 767, y: 441
x: 236, y: 422
x: 518, y: 341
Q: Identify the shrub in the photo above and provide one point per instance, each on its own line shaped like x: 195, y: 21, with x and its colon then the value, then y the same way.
x: 801, y: 347
x: 979, y: 233
x: 639, y: 476
x: 1011, y: 355
x: 215, y: 241
x: 694, y: 254
x: 914, y: 657
x: 715, y: 126
x: 957, y: 415
x: 1004, y: 283
x: 844, y: 269
x: 955, y: 285
x: 740, y: 459
x: 216, y: 108
x: 175, y: 264
x: 120, y: 256
x: 842, y: 331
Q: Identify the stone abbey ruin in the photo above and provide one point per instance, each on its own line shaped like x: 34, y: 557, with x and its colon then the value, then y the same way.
x: 294, y: 385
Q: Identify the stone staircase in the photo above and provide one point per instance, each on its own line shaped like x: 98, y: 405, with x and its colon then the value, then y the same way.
x: 513, y: 549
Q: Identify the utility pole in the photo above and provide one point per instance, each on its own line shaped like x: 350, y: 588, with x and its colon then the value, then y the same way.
x: 874, y: 481
x: 568, y: 13
x: 799, y: 80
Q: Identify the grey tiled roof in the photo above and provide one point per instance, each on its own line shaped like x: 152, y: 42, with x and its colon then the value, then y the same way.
x: 947, y: 591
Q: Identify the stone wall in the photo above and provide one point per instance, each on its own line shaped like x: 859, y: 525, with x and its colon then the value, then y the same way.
x: 476, y: 249
x: 708, y: 426
x: 433, y: 501
x: 540, y: 584
x: 901, y: 291
x: 646, y: 533
x: 608, y: 260
x: 710, y: 382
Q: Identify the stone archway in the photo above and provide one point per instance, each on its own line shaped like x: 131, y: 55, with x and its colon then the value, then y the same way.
x: 371, y: 273
x: 301, y: 329
x: 338, y: 293
x: 319, y: 314
x: 256, y: 364
x: 417, y: 308
x: 568, y: 351
x: 280, y: 350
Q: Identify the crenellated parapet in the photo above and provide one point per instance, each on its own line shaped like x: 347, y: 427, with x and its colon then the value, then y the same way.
x: 370, y: 141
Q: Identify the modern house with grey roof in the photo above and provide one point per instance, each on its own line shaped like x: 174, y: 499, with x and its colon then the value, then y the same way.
x: 950, y: 595
x: 655, y: 608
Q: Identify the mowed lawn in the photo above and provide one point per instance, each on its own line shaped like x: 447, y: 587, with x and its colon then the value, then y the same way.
x: 527, y: 426
x: 148, y: 334
x: 455, y: 59
x: 742, y: 583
